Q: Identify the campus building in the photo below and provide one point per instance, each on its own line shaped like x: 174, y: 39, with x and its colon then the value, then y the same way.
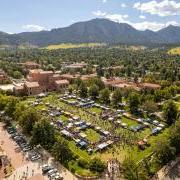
x: 30, y: 65
x: 75, y: 66
x: 120, y: 83
x: 72, y: 77
x: 39, y: 81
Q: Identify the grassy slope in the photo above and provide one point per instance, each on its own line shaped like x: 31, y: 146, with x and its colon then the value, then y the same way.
x: 174, y: 51
x: 69, y: 45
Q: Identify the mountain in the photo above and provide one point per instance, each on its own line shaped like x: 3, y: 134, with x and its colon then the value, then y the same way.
x: 96, y: 30
x: 171, y: 34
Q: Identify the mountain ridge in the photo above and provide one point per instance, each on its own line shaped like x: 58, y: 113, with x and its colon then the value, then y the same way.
x: 95, y: 30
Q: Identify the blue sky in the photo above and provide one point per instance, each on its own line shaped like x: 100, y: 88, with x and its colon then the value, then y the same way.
x: 35, y: 15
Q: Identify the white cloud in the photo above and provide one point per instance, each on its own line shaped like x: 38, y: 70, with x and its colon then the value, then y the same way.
x: 33, y: 27
x: 155, y: 26
x: 137, y: 5
x: 117, y: 17
x: 113, y: 17
x: 99, y: 13
x: 123, y: 5
x: 103, y: 1
x: 161, y: 8
x: 10, y: 32
x: 142, y: 17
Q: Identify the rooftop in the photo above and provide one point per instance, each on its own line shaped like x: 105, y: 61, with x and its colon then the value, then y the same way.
x: 64, y: 81
x: 32, y: 84
x: 35, y: 70
x: 29, y: 63
x: 151, y: 85
x: 70, y: 76
x: 76, y: 65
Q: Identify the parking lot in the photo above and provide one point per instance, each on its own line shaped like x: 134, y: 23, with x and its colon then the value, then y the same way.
x: 26, y: 162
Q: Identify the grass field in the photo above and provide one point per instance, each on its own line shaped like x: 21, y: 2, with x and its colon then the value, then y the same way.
x: 178, y: 104
x: 71, y: 46
x: 125, y: 147
x: 174, y: 51
x: 63, y: 118
x: 95, y: 110
x: 129, y: 122
x: 92, y: 135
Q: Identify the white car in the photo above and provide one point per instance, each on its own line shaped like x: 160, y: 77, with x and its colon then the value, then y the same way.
x: 54, y: 175
x: 52, y: 171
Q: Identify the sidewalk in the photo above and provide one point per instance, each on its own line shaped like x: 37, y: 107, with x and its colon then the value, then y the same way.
x: 27, y: 168
x: 21, y: 166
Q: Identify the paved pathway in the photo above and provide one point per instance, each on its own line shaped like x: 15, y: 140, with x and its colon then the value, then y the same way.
x: 23, y: 167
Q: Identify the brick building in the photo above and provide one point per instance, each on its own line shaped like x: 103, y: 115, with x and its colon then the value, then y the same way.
x: 121, y: 83
x: 75, y: 66
x: 39, y: 81
x: 30, y: 65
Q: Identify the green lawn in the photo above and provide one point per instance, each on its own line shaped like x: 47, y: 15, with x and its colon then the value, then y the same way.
x: 79, y: 152
x: 71, y: 100
x: 129, y: 122
x: 73, y: 165
x: 92, y: 135
x: 95, y: 110
x: 63, y: 118
x: 41, y: 107
x: 119, y: 150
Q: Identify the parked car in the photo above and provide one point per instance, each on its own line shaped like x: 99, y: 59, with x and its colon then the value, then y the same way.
x: 46, y: 168
x: 11, y: 130
x: 56, y: 176
x: 52, y: 171
x: 35, y: 157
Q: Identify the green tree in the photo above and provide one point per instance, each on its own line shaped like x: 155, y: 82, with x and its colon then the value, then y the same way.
x: 83, y: 90
x: 43, y: 133
x: 133, y: 171
x: 61, y: 150
x: 17, y: 74
x: 20, y: 107
x: 116, y: 98
x: 96, y: 81
x: 105, y: 96
x: 11, y: 106
x: 3, y: 101
x: 96, y: 165
x: 93, y: 91
x: 28, y: 119
x: 150, y: 106
x: 164, y: 152
x: 175, y: 136
x: 134, y: 103
x: 170, y: 112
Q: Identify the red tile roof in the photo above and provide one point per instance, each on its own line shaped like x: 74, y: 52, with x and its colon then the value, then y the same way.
x: 32, y: 84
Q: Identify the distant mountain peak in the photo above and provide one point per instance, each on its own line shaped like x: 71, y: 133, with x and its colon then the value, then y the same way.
x: 95, y: 30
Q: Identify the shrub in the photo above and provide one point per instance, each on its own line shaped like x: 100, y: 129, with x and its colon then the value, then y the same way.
x: 83, y: 163
x: 96, y: 165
